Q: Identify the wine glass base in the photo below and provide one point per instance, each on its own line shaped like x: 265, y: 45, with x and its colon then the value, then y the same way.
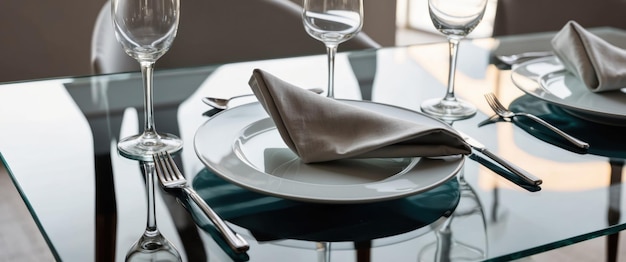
x: 153, y: 248
x: 457, y: 251
x: 448, y: 110
x: 142, y: 146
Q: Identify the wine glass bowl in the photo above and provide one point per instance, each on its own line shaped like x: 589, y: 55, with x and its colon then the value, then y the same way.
x: 332, y: 22
x: 146, y: 30
x: 455, y: 19
x: 334, y: 26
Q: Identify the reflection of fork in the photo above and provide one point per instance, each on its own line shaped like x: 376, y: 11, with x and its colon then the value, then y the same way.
x: 492, y: 119
x: 171, y: 178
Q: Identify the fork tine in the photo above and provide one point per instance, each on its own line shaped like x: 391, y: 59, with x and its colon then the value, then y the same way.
x: 166, y: 168
x: 497, y: 102
x: 489, y: 99
x: 175, y: 172
x: 157, y: 166
x: 160, y: 168
x: 494, y: 104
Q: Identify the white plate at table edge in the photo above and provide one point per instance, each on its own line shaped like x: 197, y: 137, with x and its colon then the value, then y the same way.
x: 223, y: 155
x: 590, y: 106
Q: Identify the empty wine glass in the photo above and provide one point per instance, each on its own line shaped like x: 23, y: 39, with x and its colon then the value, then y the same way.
x: 332, y: 22
x: 455, y: 19
x: 146, y: 30
x: 152, y: 245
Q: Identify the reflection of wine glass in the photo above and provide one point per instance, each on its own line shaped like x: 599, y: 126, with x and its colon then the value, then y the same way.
x: 152, y: 246
x: 468, y: 219
x: 146, y: 30
x: 455, y: 19
x: 323, y: 251
x: 332, y: 22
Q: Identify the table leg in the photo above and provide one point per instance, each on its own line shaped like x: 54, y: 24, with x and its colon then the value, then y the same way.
x: 614, y: 211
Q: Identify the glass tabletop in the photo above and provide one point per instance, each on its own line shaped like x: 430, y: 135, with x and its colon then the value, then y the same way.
x: 58, y: 142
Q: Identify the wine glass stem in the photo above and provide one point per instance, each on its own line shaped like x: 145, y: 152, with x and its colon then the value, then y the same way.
x: 151, y: 226
x: 454, y: 51
x: 147, y: 70
x: 331, y: 50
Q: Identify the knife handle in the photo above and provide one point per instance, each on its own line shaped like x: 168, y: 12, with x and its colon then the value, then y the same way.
x: 525, y: 175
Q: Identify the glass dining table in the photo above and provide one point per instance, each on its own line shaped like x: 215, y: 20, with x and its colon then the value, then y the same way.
x: 58, y: 143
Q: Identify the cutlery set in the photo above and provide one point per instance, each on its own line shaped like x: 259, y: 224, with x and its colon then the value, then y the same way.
x: 521, y: 173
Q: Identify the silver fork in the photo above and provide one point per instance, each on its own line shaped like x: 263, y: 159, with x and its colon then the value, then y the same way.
x: 502, y: 111
x: 171, y: 178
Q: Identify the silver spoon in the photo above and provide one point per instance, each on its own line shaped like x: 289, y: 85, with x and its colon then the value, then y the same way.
x: 222, y: 103
x: 516, y: 58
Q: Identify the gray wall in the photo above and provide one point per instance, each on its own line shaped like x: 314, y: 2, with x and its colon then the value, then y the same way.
x: 51, y: 38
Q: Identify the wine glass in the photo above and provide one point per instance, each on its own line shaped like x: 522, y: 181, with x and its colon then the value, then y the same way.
x: 152, y: 245
x: 332, y: 22
x: 146, y: 30
x: 455, y: 19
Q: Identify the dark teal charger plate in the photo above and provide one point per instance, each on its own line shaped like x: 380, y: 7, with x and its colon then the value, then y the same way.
x: 604, y: 140
x: 272, y: 218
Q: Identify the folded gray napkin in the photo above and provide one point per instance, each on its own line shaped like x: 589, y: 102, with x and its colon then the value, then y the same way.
x: 319, y: 129
x: 600, y: 65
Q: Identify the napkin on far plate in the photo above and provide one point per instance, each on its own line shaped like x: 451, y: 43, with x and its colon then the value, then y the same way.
x: 600, y: 65
x: 319, y: 129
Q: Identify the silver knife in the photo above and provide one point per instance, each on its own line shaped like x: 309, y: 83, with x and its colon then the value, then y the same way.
x: 523, y: 174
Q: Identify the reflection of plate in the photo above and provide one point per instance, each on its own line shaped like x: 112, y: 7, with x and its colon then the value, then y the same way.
x: 547, y: 80
x: 269, y: 218
x: 243, y: 146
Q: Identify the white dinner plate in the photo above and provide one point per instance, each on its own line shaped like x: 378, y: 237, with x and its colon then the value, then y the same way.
x: 243, y: 146
x: 547, y: 79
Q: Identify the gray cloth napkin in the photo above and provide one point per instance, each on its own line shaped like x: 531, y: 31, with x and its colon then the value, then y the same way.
x: 600, y: 65
x: 319, y: 129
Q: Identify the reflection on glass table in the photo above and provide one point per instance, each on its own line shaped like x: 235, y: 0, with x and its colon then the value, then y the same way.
x: 272, y: 220
x: 106, y: 205
x: 452, y: 243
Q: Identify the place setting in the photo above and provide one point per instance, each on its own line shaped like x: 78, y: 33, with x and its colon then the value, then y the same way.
x: 266, y: 147
x: 338, y: 161
x: 298, y: 166
x: 296, y: 152
x: 579, y: 90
